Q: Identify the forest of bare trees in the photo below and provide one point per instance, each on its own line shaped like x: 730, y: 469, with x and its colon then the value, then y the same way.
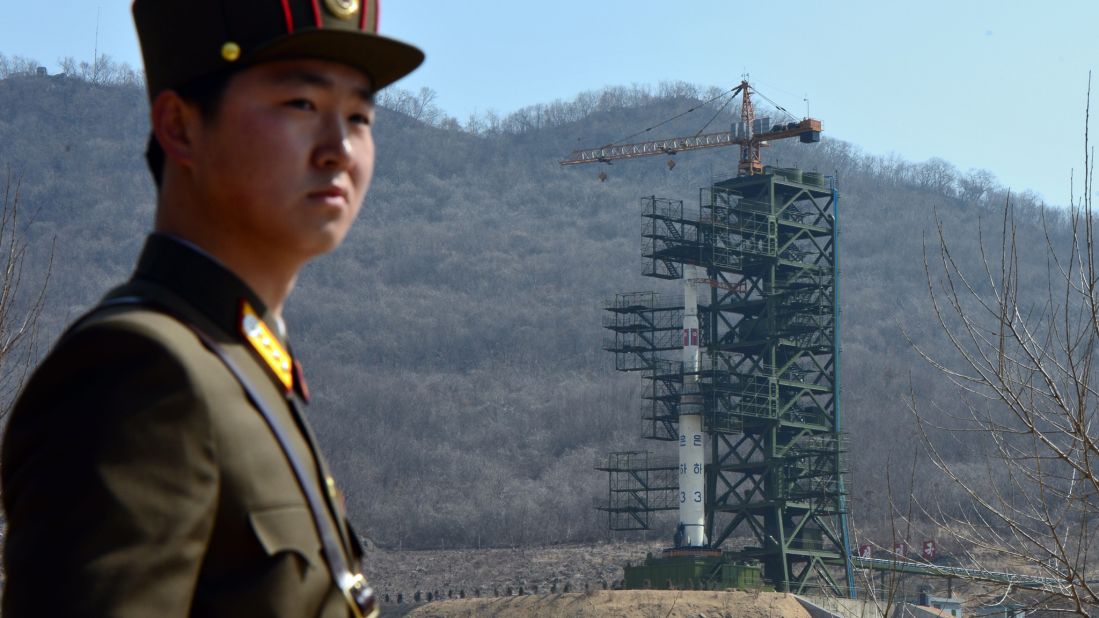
x: 454, y: 342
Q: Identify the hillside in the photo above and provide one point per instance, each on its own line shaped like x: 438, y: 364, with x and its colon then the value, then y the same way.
x: 453, y: 342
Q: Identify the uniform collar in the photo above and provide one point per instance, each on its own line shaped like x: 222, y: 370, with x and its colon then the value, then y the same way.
x: 211, y: 289
x: 199, y: 278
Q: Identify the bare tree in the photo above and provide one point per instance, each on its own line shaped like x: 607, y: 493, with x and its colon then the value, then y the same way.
x: 20, y: 307
x: 420, y: 106
x: 1026, y: 368
x: 16, y: 66
x: 102, y: 71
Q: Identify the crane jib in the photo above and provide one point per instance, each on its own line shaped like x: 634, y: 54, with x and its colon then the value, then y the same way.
x: 808, y: 129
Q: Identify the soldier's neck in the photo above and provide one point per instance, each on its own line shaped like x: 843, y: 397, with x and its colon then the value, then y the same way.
x: 269, y: 273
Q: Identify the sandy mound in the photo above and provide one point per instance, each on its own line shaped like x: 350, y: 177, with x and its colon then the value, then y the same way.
x: 622, y: 604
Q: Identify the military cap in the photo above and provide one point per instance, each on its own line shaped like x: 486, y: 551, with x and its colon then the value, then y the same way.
x: 184, y: 40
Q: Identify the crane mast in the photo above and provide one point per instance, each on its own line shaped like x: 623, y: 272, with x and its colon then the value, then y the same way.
x: 749, y: 150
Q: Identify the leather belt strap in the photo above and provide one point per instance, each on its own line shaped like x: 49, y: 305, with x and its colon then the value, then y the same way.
x: 360, y: 597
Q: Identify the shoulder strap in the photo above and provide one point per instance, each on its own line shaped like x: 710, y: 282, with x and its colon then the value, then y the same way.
x: 359, y: 596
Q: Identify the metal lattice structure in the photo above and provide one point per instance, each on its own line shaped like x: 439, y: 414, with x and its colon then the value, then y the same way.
x: 639, y: 484
x: 769, y: 374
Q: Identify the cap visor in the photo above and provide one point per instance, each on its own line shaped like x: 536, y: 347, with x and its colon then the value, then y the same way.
x: 383, y: 59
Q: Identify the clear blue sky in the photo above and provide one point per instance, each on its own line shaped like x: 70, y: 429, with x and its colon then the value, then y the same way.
x: 982, y: 84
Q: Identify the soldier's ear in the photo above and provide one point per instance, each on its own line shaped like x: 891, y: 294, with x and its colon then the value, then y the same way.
x: 175, y: 124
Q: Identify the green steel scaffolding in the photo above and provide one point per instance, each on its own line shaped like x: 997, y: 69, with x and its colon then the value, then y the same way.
x: 769, y: 373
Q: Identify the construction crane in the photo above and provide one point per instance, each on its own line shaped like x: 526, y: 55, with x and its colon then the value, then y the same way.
x: 748, y: 134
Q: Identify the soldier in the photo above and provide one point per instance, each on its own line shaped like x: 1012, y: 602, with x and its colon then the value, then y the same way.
x: 158, y: 462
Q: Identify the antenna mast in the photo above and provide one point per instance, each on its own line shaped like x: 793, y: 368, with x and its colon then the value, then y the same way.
x: 95, y: 50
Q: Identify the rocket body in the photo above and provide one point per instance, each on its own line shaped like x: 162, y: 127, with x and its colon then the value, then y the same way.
x: 692, y: 449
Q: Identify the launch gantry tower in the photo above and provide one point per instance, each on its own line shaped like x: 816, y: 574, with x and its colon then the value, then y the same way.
x: 761, y: 248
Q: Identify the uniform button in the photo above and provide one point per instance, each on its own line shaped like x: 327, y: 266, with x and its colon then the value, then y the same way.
x: 230, y: 51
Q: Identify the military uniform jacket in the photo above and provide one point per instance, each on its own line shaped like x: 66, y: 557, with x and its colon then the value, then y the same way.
x: 139, y: 481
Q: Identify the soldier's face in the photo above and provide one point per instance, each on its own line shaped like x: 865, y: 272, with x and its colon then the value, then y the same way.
x: 287, y: 160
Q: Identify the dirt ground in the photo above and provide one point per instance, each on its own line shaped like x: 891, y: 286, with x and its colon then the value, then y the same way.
x: 491, y: 572
x: 622, y: 604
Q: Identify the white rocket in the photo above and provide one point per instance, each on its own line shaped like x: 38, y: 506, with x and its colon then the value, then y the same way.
x: 692, y: 444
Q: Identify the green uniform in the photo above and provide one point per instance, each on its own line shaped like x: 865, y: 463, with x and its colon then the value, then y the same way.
x: 139, y: 480
x: 141, y: 477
